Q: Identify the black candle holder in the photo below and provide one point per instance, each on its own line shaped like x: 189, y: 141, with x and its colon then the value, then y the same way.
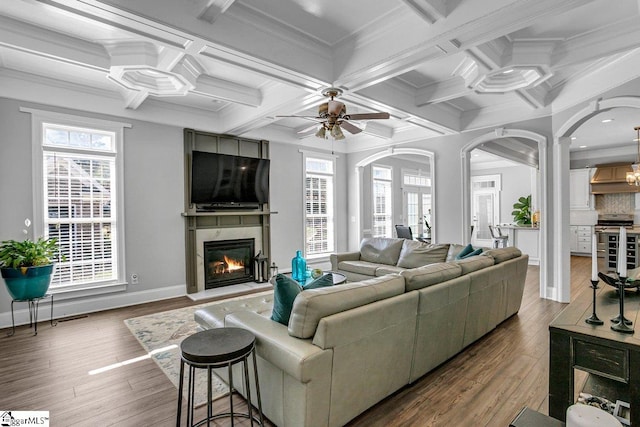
x: 621, y: 323
x: 594, y: 320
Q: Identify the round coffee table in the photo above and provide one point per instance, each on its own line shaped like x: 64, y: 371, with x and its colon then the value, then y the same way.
x: 338, y: 278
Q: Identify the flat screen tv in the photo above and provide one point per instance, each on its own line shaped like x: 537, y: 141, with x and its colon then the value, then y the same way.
x: 221, y: 180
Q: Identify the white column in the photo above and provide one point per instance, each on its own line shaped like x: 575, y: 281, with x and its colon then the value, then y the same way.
x: 561, y: 290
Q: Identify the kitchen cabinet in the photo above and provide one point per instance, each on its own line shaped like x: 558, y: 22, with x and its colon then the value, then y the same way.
x: 580, y: 239
x: 580, y: 191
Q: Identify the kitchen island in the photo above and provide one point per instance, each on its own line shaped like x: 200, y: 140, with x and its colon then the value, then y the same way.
x: 526, y: 238
x: 611, y: 237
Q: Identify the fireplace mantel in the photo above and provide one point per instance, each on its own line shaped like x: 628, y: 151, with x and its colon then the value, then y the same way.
x: 234, y: 223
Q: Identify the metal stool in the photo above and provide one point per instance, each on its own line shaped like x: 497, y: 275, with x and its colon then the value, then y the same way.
x: 217, y: 348
x: 499, y: 240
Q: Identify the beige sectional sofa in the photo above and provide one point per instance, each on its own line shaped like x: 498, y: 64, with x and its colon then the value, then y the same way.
x: 347, y: 347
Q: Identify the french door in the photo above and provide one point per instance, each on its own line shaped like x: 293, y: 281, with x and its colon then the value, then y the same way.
x: 485, y: 207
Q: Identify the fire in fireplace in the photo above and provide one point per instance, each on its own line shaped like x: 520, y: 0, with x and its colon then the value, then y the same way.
x: 227, y: 262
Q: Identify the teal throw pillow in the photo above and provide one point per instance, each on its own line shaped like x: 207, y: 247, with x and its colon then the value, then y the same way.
x: 474, y: 253
x: 285, y: 290
x: 465, y: 251
x: 320, y: 282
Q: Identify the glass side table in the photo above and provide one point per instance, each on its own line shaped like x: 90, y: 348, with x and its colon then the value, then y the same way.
x: 33, y: 304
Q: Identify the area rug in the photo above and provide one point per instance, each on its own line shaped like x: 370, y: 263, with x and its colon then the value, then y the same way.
x: 160, y: 334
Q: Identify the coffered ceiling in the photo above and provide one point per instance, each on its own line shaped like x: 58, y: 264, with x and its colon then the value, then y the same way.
x: 439, y: 67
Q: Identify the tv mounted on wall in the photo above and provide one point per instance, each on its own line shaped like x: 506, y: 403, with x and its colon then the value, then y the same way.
x: 224, y: 181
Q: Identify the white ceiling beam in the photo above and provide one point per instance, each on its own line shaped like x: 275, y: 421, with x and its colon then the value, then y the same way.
x: 603, y: 42
x: 227, y: 91
x: 376, y: 128
x: 442, y: 91
x: 23, y: 37
x: 430, y: 10
x: 212, y: 9
x: 536, y: 96
x: 381, y: 55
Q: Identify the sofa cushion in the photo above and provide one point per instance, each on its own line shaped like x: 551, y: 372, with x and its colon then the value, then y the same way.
x: 285, y: 290
x: 474, y: 263
x: 388, y: 269
x: 421, y: 277
x: 360, y: 267
x: 470, y: 254
x: 416, y: 254
x: 320, y: 282
x: 380, y: 250
x: 465, y: 251
x: 454, y: 250
x: 312, y: 305
x: 503, y: 254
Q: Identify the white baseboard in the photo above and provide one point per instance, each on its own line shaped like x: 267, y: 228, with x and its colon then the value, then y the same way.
x: 74, y: 307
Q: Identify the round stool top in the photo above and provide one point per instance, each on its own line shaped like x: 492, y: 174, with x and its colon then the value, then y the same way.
x: 217, y: 345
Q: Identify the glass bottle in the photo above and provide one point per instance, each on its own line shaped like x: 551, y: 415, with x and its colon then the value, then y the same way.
x: 299, y: 268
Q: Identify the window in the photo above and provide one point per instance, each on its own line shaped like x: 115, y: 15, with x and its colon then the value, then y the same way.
x: 382, y: 201
x: 319, y: 201
x: 77, y: 168
x: 485, y: 206
x: 417, y: 200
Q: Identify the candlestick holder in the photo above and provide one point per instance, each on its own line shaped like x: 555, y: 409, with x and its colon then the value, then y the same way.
x: 594, y: 320
x: 621, y: 323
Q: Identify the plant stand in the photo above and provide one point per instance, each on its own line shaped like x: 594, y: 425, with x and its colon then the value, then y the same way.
x: 33, y: 304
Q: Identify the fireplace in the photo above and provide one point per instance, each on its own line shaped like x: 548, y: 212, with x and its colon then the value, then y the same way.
x: 227, y: 262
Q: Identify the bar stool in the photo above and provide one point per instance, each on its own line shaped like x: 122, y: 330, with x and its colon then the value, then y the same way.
x: 217, y: 348
x: 499, y: 240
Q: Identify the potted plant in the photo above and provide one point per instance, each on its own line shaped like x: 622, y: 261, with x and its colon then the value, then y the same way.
x: 522, y: 211
x: 27, y: 266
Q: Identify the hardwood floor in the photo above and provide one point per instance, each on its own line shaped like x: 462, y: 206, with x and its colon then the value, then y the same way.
x: 485, y: 385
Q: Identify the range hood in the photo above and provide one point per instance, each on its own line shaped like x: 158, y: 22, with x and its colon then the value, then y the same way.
x: 612, y: 178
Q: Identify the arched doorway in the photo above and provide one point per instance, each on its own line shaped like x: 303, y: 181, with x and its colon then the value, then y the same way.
x: 542, y: 203
x: 561, y: 273
x: 359, y: 166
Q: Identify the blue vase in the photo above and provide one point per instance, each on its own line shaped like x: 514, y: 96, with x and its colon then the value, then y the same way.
x: 299, y: 268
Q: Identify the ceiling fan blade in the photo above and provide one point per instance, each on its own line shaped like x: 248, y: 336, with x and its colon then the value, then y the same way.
x: 300, y: 117
x: 350, y: 128
x: 335, y: 107
x: 368, y: 116
x: 307, y: 129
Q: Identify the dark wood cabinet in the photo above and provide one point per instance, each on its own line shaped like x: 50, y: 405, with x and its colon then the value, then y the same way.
x: 612, y: 359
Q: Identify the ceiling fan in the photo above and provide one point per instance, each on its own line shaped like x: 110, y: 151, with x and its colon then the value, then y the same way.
x: 332, y: 117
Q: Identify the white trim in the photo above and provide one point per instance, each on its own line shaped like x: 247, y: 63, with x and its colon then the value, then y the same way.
x: 544, y: 235
x: 334, y: 178
x: 92, y: 304
x: 561, y: 273
x: 38, y: 119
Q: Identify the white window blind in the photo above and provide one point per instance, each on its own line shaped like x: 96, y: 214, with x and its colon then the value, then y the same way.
x: 319, y: 212
x: 79, y: 171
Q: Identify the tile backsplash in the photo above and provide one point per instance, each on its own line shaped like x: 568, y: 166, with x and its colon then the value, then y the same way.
x: 615, y: 203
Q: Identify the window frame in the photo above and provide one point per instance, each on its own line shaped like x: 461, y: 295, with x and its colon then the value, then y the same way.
x: 39, y: 118
x: 332, y: 239
x: 390, y: 229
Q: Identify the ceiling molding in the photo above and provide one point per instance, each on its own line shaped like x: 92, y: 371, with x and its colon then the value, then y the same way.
x: 442, y: 91
x: 228, y: 91
x: 38, y: 41
x: 429, y: 10
x: 213, y: 9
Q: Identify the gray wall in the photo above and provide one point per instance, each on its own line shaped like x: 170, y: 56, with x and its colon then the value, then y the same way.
x: 153, y: 182
x: 153, y: 199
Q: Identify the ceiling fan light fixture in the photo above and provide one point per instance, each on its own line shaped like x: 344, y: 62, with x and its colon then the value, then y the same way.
x: 322, y: 133
x: 336, y: 132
